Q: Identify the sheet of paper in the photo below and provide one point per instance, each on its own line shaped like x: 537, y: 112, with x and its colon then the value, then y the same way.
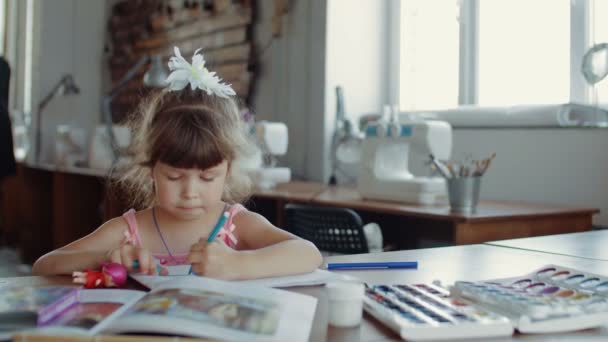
x: 317, y: 277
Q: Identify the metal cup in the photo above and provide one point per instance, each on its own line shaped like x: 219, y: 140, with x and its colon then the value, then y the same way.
x: 463, y: 194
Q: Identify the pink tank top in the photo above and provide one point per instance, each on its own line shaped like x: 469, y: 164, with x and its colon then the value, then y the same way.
x: 225, y: 234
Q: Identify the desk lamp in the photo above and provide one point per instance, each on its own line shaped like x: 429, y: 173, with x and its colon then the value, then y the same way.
x: 155, y: 77
x: 346, y: 142
x: 64, y: 87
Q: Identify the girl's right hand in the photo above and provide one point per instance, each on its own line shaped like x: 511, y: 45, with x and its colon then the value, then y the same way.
x: 126, y: 255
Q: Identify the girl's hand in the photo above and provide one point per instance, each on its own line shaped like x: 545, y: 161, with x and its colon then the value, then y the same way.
x: 126, y: 254
x: 214, y: 259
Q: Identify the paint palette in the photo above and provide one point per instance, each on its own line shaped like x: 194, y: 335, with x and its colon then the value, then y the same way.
x: 549, y: 300
x: 427, y: 312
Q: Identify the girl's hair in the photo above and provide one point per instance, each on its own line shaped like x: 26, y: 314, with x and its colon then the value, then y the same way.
x: 187, y: 129
x: 116, y: 271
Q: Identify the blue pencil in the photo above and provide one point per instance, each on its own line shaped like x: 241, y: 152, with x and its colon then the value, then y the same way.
x: 372, y: 265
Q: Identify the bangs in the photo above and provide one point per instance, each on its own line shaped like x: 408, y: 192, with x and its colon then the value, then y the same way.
x: 189, y: 140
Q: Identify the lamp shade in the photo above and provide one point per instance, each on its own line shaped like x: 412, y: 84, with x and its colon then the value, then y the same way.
x: 156, y: 76
x: 69, y: 87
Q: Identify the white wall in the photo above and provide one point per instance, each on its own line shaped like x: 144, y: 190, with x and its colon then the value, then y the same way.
x: 567, y: 166
x: 563, y: 166
x: 290, y: 81
x: 356, y: 56
x: 71, y: 41
x: 357, y: 59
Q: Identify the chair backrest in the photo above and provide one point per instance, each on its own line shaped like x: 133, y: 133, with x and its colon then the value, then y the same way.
x: 337, y: 230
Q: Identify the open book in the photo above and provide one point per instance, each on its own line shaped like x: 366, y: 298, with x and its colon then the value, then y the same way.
x: 191, y: 306
x: 22, y: 307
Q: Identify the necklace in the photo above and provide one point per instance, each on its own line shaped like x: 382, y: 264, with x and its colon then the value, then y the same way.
x: 162, y: 238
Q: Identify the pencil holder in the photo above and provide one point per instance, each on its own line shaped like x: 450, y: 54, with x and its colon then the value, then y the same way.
x: 463, y: 194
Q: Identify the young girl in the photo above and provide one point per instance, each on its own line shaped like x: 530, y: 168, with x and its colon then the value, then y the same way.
x: 188, y: 143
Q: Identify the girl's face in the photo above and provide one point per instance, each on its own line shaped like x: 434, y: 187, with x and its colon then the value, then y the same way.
x: 188, y: 193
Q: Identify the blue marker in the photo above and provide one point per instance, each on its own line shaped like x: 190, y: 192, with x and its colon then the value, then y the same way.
x: 372, y: 265
x: 136, y: 266
x: 218, y: 226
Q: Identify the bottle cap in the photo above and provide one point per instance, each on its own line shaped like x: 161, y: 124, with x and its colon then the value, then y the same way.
x: 344, y: 290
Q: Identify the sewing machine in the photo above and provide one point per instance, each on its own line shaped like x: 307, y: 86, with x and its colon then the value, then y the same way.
x: 272, y: 138
x: 384, y: 172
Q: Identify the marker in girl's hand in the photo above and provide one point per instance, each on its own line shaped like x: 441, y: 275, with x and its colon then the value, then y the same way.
x: 136, y: 266
x: 218, y: 226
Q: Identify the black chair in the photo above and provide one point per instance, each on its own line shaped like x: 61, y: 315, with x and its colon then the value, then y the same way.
x: 336, y: 230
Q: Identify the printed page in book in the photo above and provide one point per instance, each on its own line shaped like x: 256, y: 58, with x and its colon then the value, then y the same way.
x: 95, y: 309
x: 27, y: 307
x: 317, y: 277
x: 203, y: 307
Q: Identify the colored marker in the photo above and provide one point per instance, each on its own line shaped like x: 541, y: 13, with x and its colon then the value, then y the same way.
x: 372, y: 265
x: 136, y: 266
x: 218, y: 226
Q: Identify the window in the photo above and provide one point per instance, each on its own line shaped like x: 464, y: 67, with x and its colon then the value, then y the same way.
x: 521, y: 60
x: 29, y: 44
x: 18, y: 45
x: 496, y: 52
x: 2, y: 26
x: 429, y: 54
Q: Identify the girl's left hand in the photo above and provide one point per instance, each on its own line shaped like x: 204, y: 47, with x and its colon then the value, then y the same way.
x: 215, y: 260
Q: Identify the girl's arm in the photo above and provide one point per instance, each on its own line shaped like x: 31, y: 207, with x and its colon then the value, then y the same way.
x: 85, y: 253
x: 267, y: 251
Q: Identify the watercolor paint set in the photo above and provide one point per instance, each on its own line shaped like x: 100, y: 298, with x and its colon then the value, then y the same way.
x: 422, y: 312
x: 549, y: 300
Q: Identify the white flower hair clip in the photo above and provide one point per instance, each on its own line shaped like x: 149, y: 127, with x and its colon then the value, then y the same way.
x: 196, y: 74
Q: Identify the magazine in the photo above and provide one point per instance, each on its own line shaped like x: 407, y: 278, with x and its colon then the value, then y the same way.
x: 83, y: 311
x: 22, y: 306
x: 191, y: 306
